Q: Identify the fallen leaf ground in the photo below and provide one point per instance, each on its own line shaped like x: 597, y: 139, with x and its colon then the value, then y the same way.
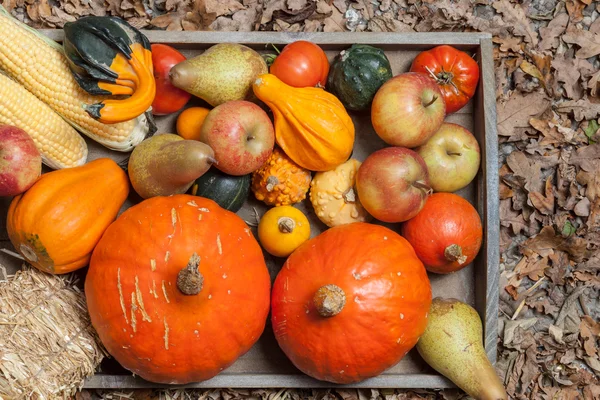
x: 547, y: 73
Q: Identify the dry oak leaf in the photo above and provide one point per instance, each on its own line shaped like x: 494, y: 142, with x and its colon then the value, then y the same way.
x: 580, y: 109
x: 586, y: 157
x: 568, y: 71
x: 515, y: 17
x: 534, y: 269
x: 551, y: 34
x: 547, y: 241
x: 516, y: 111
x: 588, y: 42
x: 223, y: 7
x: 544, y: 202
x: 509, y: 43
x: 575, y: 10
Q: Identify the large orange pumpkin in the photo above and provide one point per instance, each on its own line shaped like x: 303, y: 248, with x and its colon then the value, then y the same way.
x: 178, y: 289
x: 56, y: 224
x: 350, y: 303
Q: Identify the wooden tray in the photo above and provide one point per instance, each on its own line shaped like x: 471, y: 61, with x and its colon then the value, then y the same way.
x: 265, y: 365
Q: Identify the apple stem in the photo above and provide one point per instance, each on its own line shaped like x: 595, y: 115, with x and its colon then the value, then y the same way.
x: 249, y: 138
x: 212, y: 160
x: 453, y: 154
x: 424, y: 186
x: 431, y: 101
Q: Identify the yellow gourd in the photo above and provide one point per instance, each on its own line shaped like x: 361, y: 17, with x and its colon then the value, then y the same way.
x: 282, y: 230
x: 280, y: 181
x: 311, y: 125
x: 334, y: 197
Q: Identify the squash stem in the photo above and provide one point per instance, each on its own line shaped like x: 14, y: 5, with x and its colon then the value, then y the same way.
x: 189, y: 279
x: 329, y: 300
x: 454, y: 253
x: 286, y: 225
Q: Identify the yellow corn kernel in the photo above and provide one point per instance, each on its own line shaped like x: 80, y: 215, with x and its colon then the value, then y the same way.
x: 59, y: 144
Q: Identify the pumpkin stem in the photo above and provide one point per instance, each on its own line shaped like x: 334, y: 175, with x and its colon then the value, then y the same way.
x: 329, y: 300
x: 424, y: 186
x: 454, y: 253
x: 349, y: 196
x: 272, y: 181
x: 286, y: 224
x: 189, y: 279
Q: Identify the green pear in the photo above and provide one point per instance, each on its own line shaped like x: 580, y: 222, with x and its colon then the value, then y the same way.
x: 452, y: 345
x: 225, y: 72
x: 167, y: 164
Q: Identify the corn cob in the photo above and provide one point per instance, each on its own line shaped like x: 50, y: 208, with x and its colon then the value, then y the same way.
x: 39, y: 64
x: 59, y: 144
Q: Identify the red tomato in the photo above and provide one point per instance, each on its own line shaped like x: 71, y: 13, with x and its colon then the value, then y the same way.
x: 168, y: 99
x: 455, y: 71
x: 301, y: 64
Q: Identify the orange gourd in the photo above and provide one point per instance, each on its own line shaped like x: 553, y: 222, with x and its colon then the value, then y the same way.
x: 446, y: 234
x: 56, y: 224
x: 178, y: 289
x: 311, y: 125
x: 350, y: 303
x: 280, y: 181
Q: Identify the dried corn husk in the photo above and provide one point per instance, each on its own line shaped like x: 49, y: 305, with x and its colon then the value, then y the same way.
x: 47, y: 344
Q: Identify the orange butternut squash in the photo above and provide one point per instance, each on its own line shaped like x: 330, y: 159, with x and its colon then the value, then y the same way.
x: 56, y: 224
x: 311, y: 125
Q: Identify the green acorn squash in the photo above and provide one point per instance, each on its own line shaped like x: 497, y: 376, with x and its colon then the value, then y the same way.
x: 357, y: 73
x: 228, y: 191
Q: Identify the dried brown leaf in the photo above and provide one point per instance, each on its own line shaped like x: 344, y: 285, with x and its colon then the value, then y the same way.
x: 551, y: 34
x: 544, y: 202
x: 515, y: 112
x: 223, y: 7
x: 509, y: 43
x: 534, y: 269
x: 588, y: 42
x: 516, y: 18
x: 547, y: 241
x: 580, y: 109
x: 575, y: 10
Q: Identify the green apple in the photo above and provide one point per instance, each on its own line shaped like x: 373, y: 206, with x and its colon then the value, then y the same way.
x: 452, y: 156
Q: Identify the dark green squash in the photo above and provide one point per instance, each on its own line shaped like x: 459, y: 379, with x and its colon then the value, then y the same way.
x: 230, y: 192
x: 356, y: 74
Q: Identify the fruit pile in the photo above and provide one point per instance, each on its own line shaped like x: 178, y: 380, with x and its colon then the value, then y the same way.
x: 177, y: 285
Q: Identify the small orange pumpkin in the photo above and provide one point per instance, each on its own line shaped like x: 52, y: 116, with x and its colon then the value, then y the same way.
x: 57, y: 223
x: 178, y: 289
x: 350, y: 303
x: 311, y: 125
x: 280, y: 181
x: 446, y: 234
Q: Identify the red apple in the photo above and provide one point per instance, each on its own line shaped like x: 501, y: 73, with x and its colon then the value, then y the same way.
x: 408, y: 109
x: 452, y: 156
x: 393, y: 184
x: 241, y: 135
x: 20, y: 161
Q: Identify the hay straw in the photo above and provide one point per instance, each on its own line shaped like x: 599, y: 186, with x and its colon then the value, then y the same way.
x: 47, y: 344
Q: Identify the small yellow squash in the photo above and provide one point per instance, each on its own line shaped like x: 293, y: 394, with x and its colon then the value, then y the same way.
x: 334, y: 197
x: 280, y: 181
x: 311, y: 125
x: 282, y: 230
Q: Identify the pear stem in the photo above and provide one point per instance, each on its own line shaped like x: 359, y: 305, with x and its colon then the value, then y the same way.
x: 329, y: 300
